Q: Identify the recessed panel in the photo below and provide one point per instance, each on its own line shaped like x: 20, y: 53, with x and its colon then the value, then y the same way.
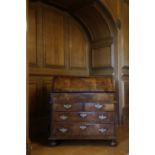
x: 101, y: 57
x: 53, y: 34
x: 78, y: 47
x: 125, y: 28
x: 32, y: 97
x: 32, y: 41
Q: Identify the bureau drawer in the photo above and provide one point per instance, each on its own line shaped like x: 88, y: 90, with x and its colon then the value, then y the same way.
x: 82, y: 97
x: 96, y: 129
x: 98, y: 107
x: 62, y: 130
x: 65, y: 106
x: 83, y: 117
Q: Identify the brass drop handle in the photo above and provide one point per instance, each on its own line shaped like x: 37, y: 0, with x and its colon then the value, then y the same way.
x: 98, y: 106
x: 102, y: 130
x: 63, y: 130
x: 83, y: 127
x: 63, y: 117
x: 102, y: 117
x: 83, y: 115
x: 67, y: 106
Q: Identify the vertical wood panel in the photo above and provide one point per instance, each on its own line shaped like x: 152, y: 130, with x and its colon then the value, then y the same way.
x: 47, y: 88
x: 125, y: 29
x: 78, y: 46
x: 125, y: 99
x: 39, y: 88
x: 101, y: 57
x: 33, y: 97
x: 54, y: 41
x: 126, y: 96
x: 28, y: 142
x: 32, y: 40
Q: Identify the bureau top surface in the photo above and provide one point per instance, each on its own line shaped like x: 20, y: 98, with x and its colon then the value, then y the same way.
x: 84, y: 92
x: 83, y: 84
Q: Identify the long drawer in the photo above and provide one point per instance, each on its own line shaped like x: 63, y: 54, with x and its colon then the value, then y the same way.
x: 63, y: 130
x: 88, y: 106
x: 82, y: 97
x: 103, y: 117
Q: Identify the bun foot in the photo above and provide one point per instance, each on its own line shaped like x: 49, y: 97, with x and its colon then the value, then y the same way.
x: 113, y: 143
x: 53, y: 143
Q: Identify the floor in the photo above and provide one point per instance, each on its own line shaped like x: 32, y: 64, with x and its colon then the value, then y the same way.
x: 87, y: 147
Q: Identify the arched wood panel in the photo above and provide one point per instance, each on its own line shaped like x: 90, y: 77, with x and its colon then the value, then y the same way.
x: 94, y: 22
x: 58, y: 43
x: 53, y: 38
x: 78, y: 51
x: 101, y: 27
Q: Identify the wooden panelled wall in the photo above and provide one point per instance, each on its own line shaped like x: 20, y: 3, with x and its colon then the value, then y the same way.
x: 59, y: 45
x: 54, y: 49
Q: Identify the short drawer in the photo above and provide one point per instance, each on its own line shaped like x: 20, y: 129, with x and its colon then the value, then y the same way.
x: 103, y: 117
x: 98, y: 107
x: 96, y: 129
x: 67, y: 106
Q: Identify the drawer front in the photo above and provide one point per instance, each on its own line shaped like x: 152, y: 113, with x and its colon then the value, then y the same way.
x: 65, y: 106
x: 83, y: 97
x: 96, y: 129
x: 83, y: 117
x: 98, y: 107
x: 84, y: 129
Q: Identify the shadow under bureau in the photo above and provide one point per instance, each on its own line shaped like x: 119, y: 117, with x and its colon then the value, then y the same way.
x: 83, y: 113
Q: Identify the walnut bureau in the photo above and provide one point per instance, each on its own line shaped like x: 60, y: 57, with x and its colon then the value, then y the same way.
x: 83, y: 108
